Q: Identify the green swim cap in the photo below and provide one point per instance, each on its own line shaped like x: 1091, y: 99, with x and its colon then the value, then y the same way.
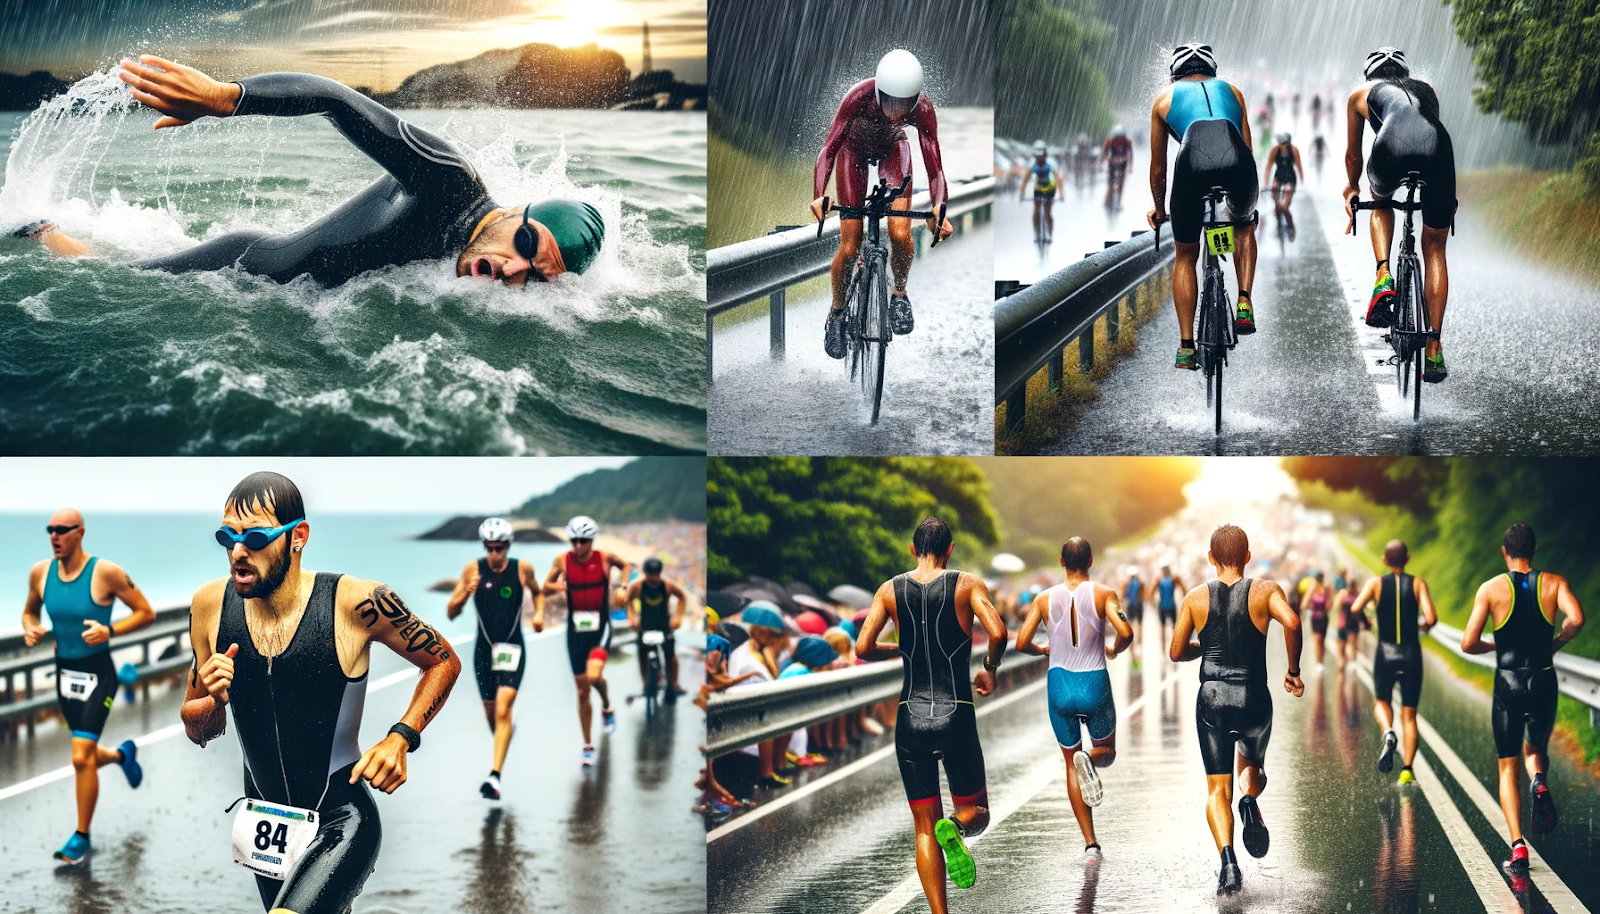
x: 577, y: 227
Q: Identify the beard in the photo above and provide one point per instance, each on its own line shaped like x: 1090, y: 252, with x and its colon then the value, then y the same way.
x: 267, y: 584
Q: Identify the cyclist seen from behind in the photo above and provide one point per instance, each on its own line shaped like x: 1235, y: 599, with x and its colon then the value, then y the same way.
x: 1284, y: 172
x: 1046, y: 190
x: 652, y: 593
x: 869, y: 129
x: 1407, y: 137
x: 1118, y: 154
x: 1521, y: 606
x: 1206, y: 116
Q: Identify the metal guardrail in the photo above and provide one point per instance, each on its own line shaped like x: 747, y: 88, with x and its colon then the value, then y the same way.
x: 747, y: 714
x: 1578, y: 677
x: 740, y: 273
x: 1033, y: 327
x: 27, y: 682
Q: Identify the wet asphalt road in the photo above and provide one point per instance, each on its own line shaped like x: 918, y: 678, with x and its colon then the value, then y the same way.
x: 1083, y: 225
x: 617, y: 838
x: 1518, y: 339
x: 1344, y: 836
x: 938, y: 386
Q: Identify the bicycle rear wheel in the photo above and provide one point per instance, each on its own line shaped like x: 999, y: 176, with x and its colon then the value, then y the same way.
x: 882, y: 332
x: 1220, y: 363
x: 1410, y: 321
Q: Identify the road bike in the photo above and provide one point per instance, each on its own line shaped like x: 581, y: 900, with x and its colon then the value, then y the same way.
x: 867, y: 329
x: 1410, y: 330
x: 652, y: 649
x: 1216, y: 336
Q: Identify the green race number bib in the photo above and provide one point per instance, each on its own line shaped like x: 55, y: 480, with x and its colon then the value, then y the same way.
x: 1220, y: 240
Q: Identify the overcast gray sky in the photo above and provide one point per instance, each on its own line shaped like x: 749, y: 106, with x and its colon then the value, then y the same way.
x: 401, y: 485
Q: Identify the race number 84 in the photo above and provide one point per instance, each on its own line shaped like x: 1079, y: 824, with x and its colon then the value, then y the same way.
x: 268, y: 837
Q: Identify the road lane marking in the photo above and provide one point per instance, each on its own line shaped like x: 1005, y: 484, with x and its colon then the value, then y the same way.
x: 1474, y: 857
x: 1043, y: 776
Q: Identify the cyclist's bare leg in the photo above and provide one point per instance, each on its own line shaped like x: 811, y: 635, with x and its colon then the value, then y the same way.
x: 1382, y: 235
x: 901, y: 250
x: 1435, y: 278
x: 1185, y: 288
x: 1050, y: 217
x: 1244, y: 259
x: 849, y: 243
x: 1037, y: 206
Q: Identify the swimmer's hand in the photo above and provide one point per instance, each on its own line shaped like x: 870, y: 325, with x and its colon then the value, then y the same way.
x: 179, y: 92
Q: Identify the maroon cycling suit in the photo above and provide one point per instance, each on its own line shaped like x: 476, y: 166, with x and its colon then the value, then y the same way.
x: 861, y: 135
x: 1118, y: 150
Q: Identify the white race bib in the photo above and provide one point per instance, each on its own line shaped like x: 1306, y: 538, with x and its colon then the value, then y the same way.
x: 76, y: 685
x: 269, y: 838
x: 652, y: 638
x: 506, y: 656
x: 586, y: 621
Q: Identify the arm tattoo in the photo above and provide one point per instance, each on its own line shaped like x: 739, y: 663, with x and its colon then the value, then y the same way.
x: 194, y: 673
x: 433, y: 709
x: 386, y: 605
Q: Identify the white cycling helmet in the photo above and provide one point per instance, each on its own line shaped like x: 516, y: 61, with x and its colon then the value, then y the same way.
x: 1382, y: 57
x: 582, y: 527
x: 899, y: 75
x: 1193, y: 57
x: 1119, y: 130
x: 495, y: 530
x: 1040, y: 149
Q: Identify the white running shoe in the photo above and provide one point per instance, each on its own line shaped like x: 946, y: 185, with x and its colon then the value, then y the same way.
x: 1088, y: 781
x: 588, y: 756
x: 490, y: 788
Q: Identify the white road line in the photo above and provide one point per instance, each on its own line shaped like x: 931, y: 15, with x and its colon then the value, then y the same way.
x: 1356, y: 286
x: 834, y: 777
x: 1042, y: 776
x: 156, y: 736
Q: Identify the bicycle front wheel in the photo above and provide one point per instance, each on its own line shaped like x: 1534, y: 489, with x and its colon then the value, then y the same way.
x: 881, y: 332
x: 1220, y: 363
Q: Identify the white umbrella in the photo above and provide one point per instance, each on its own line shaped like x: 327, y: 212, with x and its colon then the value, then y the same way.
x: 851, y: 595
x: 1006, y: 563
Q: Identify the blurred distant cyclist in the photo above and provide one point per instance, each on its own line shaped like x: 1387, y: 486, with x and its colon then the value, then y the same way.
x: 653, y: 594
x: 1082, y: 161
x: 1521, y: 607
x: 1284, y: 171
x: 1407, y: 137
x: 1118, y: 154
x: 1206, y: 116
x: 869, y: 129
x: 1319, y: 151
x: 498, y: 586
x: 1046, y: 190
x: 78, y: 591
x: 431, y: 204
x: 586, y: 572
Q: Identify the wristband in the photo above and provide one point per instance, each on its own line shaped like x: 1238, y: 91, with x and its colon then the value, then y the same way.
x: 413, y: 738
x: 1294, y: 674
x: 992, y: 669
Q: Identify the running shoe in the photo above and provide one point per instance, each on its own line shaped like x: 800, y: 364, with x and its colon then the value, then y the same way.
x: 130, y: 763
x: 1391, y: 739
x: 957, y: 859
x: 1092, y: 853
x: 1256, y: 837
x: 1244, y: 318
x: 900, y: 319
x: 1380, y: 311
x: 1544, y: 817
x: 1433, y: 370
x: 490, y: 788
x: 588, y: 756
x: 1088, y: 780
x: 1519, y: 858
x: 1406, y: 777
x: 1230, y: 880
x: 833, y: 334
x: 1187, y: 359
x: 76, y: 848
x: 609, y: 719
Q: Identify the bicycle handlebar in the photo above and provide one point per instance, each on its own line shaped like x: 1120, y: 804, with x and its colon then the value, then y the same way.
x: 878, y: 206
x: 1357, y: 206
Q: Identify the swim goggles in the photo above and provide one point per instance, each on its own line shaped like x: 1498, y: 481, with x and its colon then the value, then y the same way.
x: 256, y: 538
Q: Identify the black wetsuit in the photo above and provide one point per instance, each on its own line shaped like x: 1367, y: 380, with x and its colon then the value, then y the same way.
x: 1399, y: 655
x: 1283, y: 165
x: 425, y: 208
x: 1407, y: 136
x: 1525, y: 692
x: 1234, y: 705
x: 498, y: 600
x: 936, y: 718
x: 298, y: 717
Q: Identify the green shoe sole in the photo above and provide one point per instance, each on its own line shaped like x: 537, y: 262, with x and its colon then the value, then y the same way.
x: 957, y: 859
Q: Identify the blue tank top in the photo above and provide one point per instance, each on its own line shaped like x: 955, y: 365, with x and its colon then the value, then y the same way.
x: 1202, y: 100
x: 1135, y: 590
x: 1044, y: 177
x: 69, y: 605
x: 1165, y: 586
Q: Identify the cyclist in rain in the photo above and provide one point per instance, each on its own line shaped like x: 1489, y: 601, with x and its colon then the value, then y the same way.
x: 1046, y: 189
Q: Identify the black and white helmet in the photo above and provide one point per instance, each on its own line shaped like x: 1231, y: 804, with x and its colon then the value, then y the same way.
x: 1193, y: 57
x: 1383, y: 57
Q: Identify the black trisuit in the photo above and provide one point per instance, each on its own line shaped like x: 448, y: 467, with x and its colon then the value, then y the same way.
x: 498, y: 600
x: 1234, y: 706
x: 298, y: 717
x: 425, y: 208
x: 1407, y: 136
x: 1399, y: 655
x: 936, y: 718
x: 1524, y: 678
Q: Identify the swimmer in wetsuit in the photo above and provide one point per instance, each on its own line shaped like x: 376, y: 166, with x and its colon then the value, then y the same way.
x: 933, y: 608
x: 431, y: 204
x: 289, y: 650
x: 1397, y: 598
x: 77, y: 591
x: 1234, y: 707
x: 1521, y: 605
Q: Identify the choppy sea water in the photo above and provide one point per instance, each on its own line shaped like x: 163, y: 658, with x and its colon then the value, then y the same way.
x: 97, y: 357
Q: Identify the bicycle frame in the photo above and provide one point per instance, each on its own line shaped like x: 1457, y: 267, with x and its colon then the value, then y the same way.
x: 1215, y: 336
x: 1409, y: 334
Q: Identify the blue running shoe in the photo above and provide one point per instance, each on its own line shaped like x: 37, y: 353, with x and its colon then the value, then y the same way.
x: 588, y: 756
x: 76, y: 848
x: 130, y: 763
x: 610, y: 719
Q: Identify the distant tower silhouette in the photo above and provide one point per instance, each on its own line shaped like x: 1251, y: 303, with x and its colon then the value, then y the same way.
x: 647, y: 66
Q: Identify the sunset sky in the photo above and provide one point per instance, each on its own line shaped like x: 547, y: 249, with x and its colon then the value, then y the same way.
x: 374, y: 43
